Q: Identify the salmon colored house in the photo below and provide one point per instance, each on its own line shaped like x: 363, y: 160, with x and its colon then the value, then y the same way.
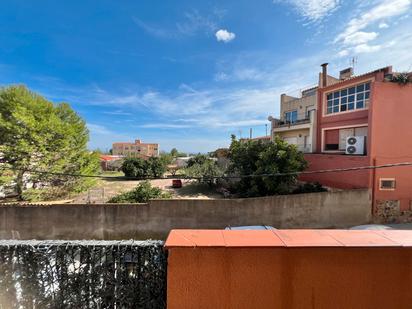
x: 378, y: 111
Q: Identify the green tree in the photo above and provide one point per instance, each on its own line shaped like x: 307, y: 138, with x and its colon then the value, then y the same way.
x: 37, y: 135
x: 139, y: 168
x: 258, y: 158
x: 174, y: 152
x: 197, y: 159
x: 205, y: 170
x: 135, y: 167
x: 141, y: 194
x: 166, y: 158
x: 156, y: 166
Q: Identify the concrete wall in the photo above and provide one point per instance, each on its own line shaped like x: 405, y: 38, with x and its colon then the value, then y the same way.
x: 155, y: 220
x: 288, y: 104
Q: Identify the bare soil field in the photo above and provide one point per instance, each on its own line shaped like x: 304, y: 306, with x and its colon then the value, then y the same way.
x: 106, y: 189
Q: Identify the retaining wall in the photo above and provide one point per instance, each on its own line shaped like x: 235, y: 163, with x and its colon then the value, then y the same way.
x: 155, y: 219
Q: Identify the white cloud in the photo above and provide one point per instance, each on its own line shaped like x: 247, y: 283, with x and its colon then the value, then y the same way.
x: 343, y: 53
x: 312, y: 10
x: 365, y: 48
x: 225, y: 36
x: 359, y: 37
x: 164, y: 126
x: 98, y: 129
x: 384, y: 10
x: 192, y: 23
x: 220, y: 76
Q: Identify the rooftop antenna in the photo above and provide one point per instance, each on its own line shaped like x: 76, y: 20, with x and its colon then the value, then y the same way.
x: 353, y: 62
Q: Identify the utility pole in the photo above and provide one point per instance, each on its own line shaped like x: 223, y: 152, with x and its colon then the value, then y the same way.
x: 250, y: 133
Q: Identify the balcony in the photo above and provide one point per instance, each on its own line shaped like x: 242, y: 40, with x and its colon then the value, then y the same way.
x: 283, y: 122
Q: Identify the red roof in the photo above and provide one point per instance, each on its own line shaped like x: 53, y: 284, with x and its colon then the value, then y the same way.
x: 109, y: 157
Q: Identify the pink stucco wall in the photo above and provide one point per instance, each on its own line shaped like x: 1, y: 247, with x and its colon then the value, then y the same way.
x: 342, y: 180
x: 391, y: 130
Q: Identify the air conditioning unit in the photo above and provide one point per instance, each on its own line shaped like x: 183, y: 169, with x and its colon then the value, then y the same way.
x: 355, y: 145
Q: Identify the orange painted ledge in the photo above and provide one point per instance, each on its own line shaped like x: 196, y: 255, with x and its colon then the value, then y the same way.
x: 288, y: 238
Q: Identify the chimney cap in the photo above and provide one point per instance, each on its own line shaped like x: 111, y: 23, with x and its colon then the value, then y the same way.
x: 324, y: 64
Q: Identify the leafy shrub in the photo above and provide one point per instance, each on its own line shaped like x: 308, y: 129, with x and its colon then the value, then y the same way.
x: 141, y: 194
x: 44, y: 194
x: 309, y: 188
x: 401, y: 78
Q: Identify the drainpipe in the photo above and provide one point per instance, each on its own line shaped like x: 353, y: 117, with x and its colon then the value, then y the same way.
x: 324, y: 74
x: 373, y: 188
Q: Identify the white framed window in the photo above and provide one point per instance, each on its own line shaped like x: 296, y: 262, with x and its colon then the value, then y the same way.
x: 387, y: 184
x: 352, y: 98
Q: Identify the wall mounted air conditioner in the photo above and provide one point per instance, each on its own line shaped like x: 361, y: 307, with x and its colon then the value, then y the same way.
x: 355, y: 145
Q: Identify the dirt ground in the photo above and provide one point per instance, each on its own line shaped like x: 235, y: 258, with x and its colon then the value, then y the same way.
x: 106, y: 189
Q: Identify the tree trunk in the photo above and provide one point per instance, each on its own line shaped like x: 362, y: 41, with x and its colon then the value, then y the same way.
x: 20, y: 184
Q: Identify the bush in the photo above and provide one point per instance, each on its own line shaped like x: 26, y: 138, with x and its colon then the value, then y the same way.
x: 309, y: 188
x: 141, y: 194
x: 401, y: 78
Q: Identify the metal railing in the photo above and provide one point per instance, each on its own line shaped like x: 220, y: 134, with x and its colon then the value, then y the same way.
x: 300, y: 118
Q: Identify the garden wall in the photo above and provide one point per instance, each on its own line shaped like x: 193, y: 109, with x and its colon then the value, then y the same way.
x: 155, y: 219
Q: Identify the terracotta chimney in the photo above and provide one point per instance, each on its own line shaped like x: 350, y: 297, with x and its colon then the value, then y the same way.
x: 324, y: 74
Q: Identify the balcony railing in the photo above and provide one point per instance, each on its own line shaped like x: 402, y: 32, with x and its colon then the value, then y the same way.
x: 285, y: 122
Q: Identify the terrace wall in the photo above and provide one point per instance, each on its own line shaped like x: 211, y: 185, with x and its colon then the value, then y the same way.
x: 289, y: 269
x: 343, y: 180
x: 155, y: 219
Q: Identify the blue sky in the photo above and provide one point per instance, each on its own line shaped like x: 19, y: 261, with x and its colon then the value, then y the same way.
x: 188, y: 74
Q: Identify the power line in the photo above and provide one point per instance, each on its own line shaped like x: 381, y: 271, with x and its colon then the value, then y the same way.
x: 349, y: 169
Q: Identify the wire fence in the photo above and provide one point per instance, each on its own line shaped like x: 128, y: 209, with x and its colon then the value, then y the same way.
x: 82, y: 274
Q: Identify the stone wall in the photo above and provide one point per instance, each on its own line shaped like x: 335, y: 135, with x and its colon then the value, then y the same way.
x: 155, y: 219
x: 389, y: 211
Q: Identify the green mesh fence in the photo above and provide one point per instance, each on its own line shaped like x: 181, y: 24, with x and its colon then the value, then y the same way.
x: 82, y: 274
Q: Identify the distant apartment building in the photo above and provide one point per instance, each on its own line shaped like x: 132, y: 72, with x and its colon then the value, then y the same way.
x: 297, y: 122
x: 136, y: 149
